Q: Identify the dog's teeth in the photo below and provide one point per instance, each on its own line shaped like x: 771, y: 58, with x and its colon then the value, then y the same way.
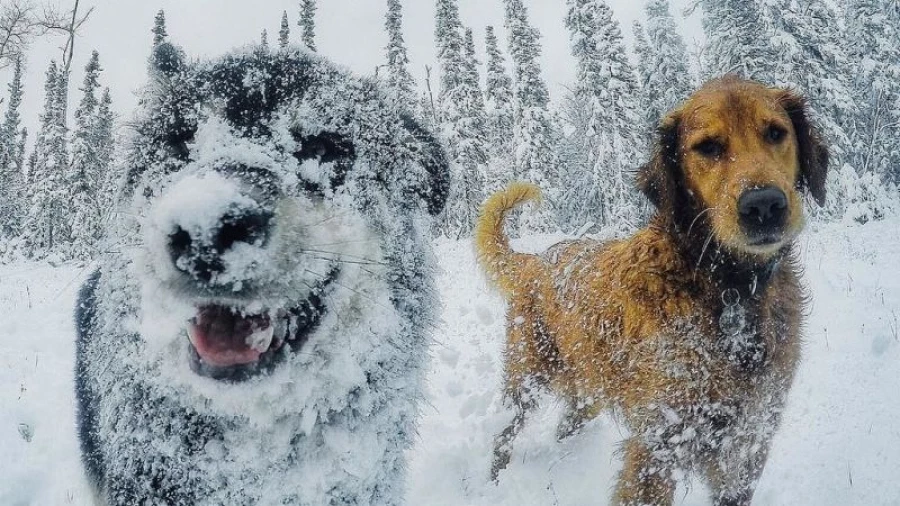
x: 261, y: 340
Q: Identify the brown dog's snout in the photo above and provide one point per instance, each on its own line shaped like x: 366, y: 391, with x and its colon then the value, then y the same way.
x: 763, y: 211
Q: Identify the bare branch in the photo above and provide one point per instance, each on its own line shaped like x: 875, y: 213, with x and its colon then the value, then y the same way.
x: 16, y: 30
x: 22, y: 21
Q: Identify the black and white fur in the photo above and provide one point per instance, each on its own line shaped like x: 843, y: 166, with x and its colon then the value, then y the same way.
x: 266, y: 183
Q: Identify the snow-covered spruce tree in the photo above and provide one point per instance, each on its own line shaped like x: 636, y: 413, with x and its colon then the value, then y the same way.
x: 9, y: 130
x: 109, y: 183
x: 284, y: 34
x: 644, y: 72
x: 535, y: 156
x: 466, y: 140
x: 46, y: 228
x: 62, y: 96
x: 87, y: 171
x: 641, y: 51
x: 426, y: 110
x: 601, y: 190
x: 874, y: 45
x: 307, y: 23
x: 399, y: 80
x: 737, y: 41
x: 668, y: 78
x: 813, y: 59
x: 461, y: 118
x: 893, y: 173
x: 10, y: 158
x: 498, y: 96
x: 20, y: 199
x: 264, y: 39
x: 448, y: 37
x: 18, y: 159
x: 159, y: 28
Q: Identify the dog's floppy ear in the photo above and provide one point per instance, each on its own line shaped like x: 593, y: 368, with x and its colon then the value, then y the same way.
x: 168, y: 121
x: 812, y: 151
x: 167, y: 60
x: 436, y: 187
x: 656, y: 178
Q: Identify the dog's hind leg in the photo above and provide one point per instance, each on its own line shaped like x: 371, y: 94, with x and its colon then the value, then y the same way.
x: 503, y: 441
x: 578, y: 412
x: 644, y: 481
x: 526, y: 371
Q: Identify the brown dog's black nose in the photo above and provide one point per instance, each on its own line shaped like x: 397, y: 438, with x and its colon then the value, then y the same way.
x: 201, y: 257
x: 763, y: 209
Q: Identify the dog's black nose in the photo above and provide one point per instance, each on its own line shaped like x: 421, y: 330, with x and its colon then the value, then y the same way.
x: 763, y: 209
x: 200, y: 254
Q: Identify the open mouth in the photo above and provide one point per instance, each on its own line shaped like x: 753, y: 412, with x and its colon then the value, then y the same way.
x: 765, y: 239
x: 226, y: 343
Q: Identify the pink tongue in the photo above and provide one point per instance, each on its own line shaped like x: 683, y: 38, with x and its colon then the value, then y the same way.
x: 220, y: 336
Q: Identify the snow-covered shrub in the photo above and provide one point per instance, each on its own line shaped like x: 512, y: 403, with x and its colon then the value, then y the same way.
x: 859, y: 198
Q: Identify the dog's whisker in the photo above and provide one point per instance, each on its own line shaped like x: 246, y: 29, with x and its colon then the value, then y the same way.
x: 376, y: 275
x: 701, y: 213
x: 329, y: 218
x: 703, y: 251
x: 123, y: 249
x: 331, y: 299
x: 344, y: 256
x: 344, y: 243
x: 359, y: 263
x: 344, y: 261
x: 77, y: 276
x: 354, y: 290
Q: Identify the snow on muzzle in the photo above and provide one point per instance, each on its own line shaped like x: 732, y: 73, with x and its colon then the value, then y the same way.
x: 216, y: 231
x: 211, y: 230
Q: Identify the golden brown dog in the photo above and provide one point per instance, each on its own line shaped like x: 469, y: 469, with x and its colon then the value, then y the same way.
x: 690, y: 329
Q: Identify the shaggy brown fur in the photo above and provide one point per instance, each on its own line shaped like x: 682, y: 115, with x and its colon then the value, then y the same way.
x: 633, y: 324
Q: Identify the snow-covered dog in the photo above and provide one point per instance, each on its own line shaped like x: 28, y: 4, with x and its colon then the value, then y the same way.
x: 690, y: 329
x: 258, y: 330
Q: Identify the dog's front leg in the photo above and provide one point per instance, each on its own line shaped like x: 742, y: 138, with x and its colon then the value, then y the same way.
x: 733, y: 478
x: 644, y: 480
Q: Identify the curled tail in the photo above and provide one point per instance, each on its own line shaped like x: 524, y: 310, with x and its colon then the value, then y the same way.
x: 491, y: 243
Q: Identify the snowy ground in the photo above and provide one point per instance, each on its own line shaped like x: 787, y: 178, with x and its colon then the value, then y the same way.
x: 839, y: 445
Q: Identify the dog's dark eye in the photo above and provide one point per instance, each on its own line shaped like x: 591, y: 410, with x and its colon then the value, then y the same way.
x: 327, y: 148
x: 710, y: 148
x: 775, y: 134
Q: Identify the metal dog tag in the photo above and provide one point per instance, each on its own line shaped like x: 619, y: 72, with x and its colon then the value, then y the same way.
x: 734, y: 317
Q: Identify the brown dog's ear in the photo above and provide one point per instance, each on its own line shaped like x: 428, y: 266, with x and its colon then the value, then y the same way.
x: 656, y: 178
x: 811, y: 149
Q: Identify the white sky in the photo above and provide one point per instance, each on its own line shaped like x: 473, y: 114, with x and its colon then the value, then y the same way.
x: 349, y: 32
